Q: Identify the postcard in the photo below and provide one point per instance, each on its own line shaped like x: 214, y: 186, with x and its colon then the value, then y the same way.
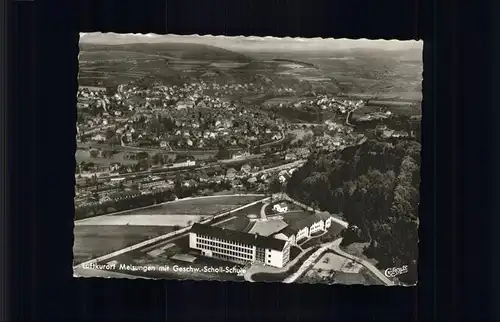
x: 257, y: 159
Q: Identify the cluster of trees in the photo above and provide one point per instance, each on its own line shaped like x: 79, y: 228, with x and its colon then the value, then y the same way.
x: 376, y: 188
x: 96, y: 208
x: 396, y: 122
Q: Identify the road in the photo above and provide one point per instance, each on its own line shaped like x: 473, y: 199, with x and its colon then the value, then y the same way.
x: 349, y: 115
x: 307, y: 263
x: 128, y: 148
x: 282, y: 167
x: 98, y: 129
x: 263, y: 211
x: 336, y: 248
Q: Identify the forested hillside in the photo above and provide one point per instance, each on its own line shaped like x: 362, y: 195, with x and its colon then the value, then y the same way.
x: 376, y: 188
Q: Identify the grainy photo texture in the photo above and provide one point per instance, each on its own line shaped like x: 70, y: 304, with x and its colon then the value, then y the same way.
x: 257, y: 159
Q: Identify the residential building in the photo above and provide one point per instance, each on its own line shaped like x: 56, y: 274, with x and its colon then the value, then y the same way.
x: 240, y: 155
x: 246, y: 168
x: 238, y: 247
x: 188, y: 163
x: 387, y: 133
x: 252, y: 180
x: 231, y: 173
x: 93, y: 88
x: 153, y: 184
x: 99, y: 137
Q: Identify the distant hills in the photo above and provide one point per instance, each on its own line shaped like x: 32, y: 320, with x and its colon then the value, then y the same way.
x: 357, y: 66
x: 258, y: 44
x: 184, y: 51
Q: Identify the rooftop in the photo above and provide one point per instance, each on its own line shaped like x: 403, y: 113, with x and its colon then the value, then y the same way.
x: 268, y: 227
x: 245, y: 238
x: 308, y: 221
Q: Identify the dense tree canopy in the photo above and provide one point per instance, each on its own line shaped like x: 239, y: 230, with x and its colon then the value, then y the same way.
x: 376, y: 188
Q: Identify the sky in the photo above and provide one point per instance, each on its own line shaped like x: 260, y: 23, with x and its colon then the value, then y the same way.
x: 254, y: 43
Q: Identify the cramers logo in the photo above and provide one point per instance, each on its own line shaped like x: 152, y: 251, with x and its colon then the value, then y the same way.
x: 395, y: 271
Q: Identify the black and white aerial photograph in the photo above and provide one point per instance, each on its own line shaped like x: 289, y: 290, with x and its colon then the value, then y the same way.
x: 250, y: 159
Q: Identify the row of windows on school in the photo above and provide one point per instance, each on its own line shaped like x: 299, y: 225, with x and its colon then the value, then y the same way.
x: 232, y: 254
x: 229, y: 245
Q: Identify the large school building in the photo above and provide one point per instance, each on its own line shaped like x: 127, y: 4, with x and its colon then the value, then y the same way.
x: 239, y: 247
x: 242, y: 247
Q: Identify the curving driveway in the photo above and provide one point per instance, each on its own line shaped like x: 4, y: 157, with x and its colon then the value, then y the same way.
x: 307, y: 263
x: 261, y: 268
x: 336, y: 248
x: 263, y: 215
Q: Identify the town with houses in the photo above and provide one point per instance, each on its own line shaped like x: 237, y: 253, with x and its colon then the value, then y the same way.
x: 194, y: 173
x: 207, y: 134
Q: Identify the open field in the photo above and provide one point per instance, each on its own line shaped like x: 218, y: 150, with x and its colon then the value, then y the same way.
x: 94, y: 241
x: 407, y: 109
x: 199, y: 206
x: 84, y: 156
x: 332, y: 261
x: 177, y: 213
x: 284, y: 100
x: 181, y: 220
x: 167, y: 62
x: 101, y: 235
x: 376, y: 73
x: 149, y: 257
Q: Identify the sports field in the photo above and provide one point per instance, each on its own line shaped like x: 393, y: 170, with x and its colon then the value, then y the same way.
x: 101, y: 235
x: 94, y: 241
x: 142, y: 220
x: 197, y: 206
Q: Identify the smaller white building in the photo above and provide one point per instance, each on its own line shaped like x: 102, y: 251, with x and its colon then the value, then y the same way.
x: 99, y: 137
x: 280, y: 207
x: 303, y: 229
